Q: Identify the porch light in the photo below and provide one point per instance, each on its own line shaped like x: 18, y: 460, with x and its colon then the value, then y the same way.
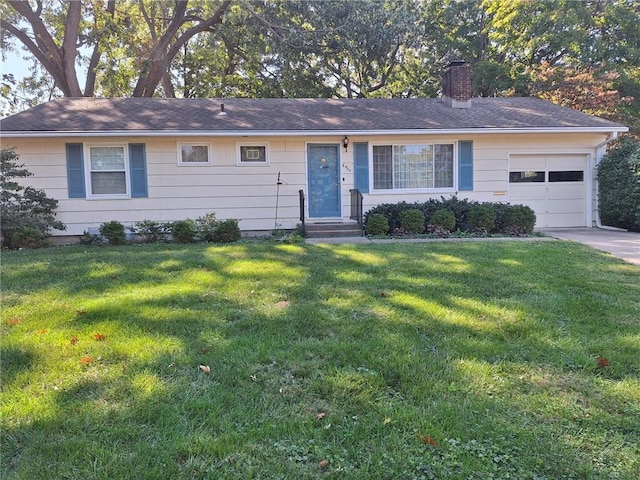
x: 345, y: 143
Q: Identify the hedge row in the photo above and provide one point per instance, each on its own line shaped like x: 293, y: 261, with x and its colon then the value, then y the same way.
x: 443, y: 216
x: 202, y: 229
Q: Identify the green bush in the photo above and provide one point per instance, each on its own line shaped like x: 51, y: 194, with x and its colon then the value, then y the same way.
x: 150, y: 231
x: 377, y: 224
x: 482, y: 217
x: 391, y: 212
x: 90, y: 239
x: 518, y: 220
x: 113, y: 231
x: 206, y: 227
x: 183, y: 231
x: 412, y: 221
x: 444, y: 218
x: 227, y: 231
x: 26, y: 213
x: 619, y: 185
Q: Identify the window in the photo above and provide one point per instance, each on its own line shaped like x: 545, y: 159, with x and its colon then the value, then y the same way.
x: 407, y: 167
x: 193, y: 154
x: 252, y: 154
x: 526, y: 177
x: 107, y: 171
x: 567, y: 176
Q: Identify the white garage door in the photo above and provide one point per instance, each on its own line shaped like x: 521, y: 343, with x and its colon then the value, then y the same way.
x: 552, y: 185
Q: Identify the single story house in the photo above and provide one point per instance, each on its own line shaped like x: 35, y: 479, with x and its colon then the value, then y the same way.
x: 134, y: 159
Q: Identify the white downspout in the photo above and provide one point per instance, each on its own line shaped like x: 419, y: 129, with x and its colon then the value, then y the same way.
x: 600, y: 151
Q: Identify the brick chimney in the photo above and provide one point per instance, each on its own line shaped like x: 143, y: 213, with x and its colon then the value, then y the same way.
x: 456, y: 86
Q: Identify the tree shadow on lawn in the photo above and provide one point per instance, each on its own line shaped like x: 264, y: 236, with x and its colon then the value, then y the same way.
x: 445, y: 348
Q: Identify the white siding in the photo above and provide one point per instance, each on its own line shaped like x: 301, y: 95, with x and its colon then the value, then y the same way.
x: 248, y: 192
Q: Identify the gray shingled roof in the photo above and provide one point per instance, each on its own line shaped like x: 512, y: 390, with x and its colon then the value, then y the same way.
x: 139, y: 115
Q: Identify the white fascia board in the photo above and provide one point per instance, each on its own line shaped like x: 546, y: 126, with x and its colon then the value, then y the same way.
x: 306, y: 133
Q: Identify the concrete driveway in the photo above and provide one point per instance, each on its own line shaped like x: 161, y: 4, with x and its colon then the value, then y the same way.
x: 625, y: 245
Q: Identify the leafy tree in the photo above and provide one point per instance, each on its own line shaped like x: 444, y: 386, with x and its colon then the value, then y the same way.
x: 149, y: 33
x: 27, y: 213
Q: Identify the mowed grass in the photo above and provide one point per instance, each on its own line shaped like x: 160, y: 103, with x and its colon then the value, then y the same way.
x: 434, y: 360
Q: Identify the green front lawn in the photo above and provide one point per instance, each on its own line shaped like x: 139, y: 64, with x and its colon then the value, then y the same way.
x: 431, y: 360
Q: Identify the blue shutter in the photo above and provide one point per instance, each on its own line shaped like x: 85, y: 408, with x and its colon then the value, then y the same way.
x: 138, y: 170
x: 465, y: 165
x: 75, y: 171
x: 361, y: 161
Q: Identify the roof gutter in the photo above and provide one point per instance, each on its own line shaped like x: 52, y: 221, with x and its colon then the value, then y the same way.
x: 302, y: 133
x: 600, y: 151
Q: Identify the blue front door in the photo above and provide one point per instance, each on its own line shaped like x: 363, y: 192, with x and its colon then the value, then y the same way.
x: 324, y: 181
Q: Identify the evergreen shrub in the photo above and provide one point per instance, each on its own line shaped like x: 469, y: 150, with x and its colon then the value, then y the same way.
x: 619, y: 185
x: 444, y: 218
x: 377, y: 224
x: 412, y: 221
x: 113, y: 231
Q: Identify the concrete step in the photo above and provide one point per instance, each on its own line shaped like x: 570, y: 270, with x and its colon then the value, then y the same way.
x: 332, y: 230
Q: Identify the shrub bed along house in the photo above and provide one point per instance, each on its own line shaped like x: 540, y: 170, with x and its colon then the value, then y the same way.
x: 202, y: 229
x: 450, y: 215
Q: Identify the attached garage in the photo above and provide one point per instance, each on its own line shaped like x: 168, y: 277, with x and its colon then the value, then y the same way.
x: 554, y: 186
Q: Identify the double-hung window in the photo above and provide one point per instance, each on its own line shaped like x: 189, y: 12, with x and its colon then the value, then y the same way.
x: 413, y: 167
x: 108, y: 171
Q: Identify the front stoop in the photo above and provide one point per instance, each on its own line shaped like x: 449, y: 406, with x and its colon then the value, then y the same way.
x: 332, y: 230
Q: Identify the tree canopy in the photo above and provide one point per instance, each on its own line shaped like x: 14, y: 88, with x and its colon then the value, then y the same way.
x: 581, y: 54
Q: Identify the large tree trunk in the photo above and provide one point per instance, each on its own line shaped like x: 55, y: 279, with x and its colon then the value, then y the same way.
x: 168, y: 46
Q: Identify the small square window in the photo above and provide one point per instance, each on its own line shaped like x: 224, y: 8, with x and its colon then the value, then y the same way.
x: 193, y: 154
x: 252, y: 154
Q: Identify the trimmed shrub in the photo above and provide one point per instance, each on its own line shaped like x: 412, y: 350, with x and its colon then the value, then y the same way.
x: 412, y: 221
x: 183, y: 231
x: 377, y: 224
x: 482, y: 217
x: 90, y: 239
x: 206, y: 227
x: 444, y: 218
x: 113, y: 231
x: 518, y: 220
x: 619, y: 185
x: 150, y: 231
x: 391, y: 211
x: 227, y: 231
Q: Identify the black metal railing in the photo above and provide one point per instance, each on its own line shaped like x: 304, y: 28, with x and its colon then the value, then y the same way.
x: 301, y: 195
x: 356, y: 207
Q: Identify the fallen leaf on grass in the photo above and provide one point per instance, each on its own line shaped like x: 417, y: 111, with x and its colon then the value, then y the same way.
x: 321, y: 415
x: 323, y: 463
x: 101, y: 337
x: 14, y: 321
x: 81, y: 312
x: 86, y: 360
x: 428, y: 440
x: 386, y: 421
x: 205, y: 349
x: 603, y: 362
x: 205, y: 368
x: 382, y: 294
x: 73, y: 340
x: 42, y: 331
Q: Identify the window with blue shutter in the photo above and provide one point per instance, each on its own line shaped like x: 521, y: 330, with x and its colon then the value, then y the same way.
x: 138, y: 170
x: 75, y: 171
x: 465, y: 165
x: 361, y: 161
